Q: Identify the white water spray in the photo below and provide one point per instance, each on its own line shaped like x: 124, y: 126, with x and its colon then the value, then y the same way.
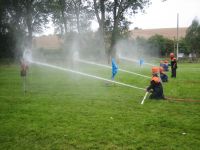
x: 134, y: 60
x: 27, y: 55
x: 101, y: 65
x: 85, y: 74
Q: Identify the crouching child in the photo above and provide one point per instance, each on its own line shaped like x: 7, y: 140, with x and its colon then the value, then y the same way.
x: 155, y: 87
x: 163, y: 76
x: 166, y: 65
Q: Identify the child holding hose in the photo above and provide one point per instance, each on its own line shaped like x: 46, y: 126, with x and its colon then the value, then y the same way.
x: 155, y: 87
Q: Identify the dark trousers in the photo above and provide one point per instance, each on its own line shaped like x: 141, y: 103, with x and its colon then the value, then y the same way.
x: 173, y: 73
x: 157, y: 93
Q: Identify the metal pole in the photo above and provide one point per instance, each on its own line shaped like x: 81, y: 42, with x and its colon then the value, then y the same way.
x: 177, y: 35
x: 174, y: 45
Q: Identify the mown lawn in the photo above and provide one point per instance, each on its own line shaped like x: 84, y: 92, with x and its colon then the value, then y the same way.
x: 68, y: 111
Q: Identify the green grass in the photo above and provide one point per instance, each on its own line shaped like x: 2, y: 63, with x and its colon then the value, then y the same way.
x: 67, y: 111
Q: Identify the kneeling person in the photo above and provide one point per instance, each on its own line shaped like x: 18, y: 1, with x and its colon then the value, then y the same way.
x: 163, y: 76
x: 155, y: 87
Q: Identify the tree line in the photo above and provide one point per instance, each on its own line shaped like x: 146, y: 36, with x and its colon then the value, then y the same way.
x: 21, y: 19
x: 188, y: 44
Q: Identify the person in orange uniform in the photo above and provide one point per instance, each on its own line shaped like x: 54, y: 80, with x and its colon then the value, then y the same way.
x: 173, y: 65
x: 155, y: 87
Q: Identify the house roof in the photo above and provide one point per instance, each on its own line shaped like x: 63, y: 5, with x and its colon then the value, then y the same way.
x: 47, y: 42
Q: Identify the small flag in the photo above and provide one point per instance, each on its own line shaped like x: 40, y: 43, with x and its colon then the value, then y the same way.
x: 114, y: 68
x: 141, y: 62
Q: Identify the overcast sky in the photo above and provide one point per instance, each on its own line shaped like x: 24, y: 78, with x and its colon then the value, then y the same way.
x: 161, y: 15
x: 164, y: 14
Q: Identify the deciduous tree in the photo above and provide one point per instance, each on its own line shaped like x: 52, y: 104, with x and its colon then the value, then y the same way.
x: 193, y: 37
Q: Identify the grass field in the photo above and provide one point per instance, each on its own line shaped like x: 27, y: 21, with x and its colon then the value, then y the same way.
x: 68, y: 111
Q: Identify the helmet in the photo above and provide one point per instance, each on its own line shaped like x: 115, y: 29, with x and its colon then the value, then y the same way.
x: 171, y: 55
x: 161, y: 69
x: 155, y: 70
x: 155, y: 79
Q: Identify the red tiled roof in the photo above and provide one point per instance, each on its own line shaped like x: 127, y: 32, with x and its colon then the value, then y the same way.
x: 47, y: 42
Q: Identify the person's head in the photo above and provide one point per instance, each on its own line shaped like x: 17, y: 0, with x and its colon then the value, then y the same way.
x: 166, y: 62
x: 155, y: 70
x: 171, y: 55
x: 161, y: 62
x: 161, y: 69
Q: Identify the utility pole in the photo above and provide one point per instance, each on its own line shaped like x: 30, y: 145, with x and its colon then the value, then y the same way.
x: 174, y: 45
x: 177, y: 36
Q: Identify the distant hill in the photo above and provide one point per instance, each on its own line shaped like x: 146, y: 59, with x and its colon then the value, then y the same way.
x: 166, y: 32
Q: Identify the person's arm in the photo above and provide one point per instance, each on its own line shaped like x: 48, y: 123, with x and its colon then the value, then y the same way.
x: 175, y: 64
x: 150, y: 86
